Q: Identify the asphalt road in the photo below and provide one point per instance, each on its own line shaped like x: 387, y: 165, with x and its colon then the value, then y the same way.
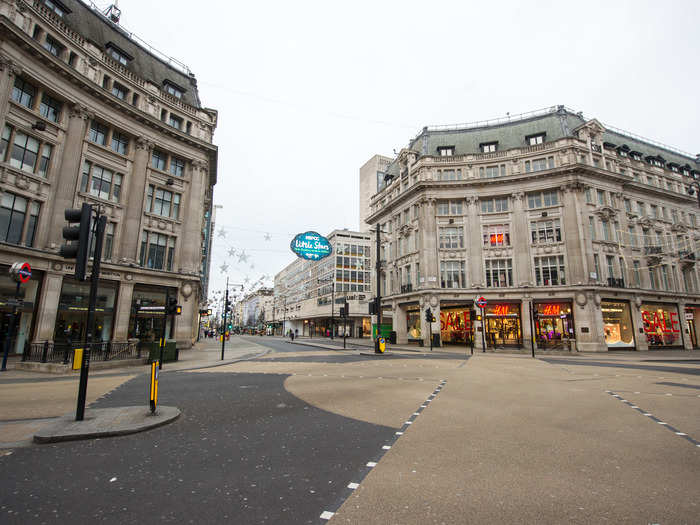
x: 244, y: 451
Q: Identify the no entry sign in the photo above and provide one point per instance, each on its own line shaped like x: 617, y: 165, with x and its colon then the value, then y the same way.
x: 21, y: 272
x: 480, y: 301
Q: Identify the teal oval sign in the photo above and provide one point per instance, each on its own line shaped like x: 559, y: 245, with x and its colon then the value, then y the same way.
x: 311, y: 245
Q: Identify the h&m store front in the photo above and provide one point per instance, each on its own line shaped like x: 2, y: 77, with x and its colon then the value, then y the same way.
x: 661, y: 325
x: 503, y: 323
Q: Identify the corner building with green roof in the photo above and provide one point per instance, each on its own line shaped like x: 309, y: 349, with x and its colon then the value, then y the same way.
x: 578, y: 236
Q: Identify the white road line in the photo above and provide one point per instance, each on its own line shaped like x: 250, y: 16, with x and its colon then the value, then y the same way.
x: 662, y: 423
x: 371, y: 464
x: 386, y: 447
x: 326, y: 515
x: 399, y: 433
x: 634, y: 406
x: 423, y: 406
x: 416, y: 413
x: 353, y: 486
x: 647, y: 414
x: 681, y: 434
x: 408, y: 422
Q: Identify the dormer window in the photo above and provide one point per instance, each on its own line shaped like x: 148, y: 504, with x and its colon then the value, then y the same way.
x: 117, y: 54
x: 446, y: 151
x: 56, y: 7
x: 173, y: 90
x: 636, y: 155
x: 534, y: 140
x: 488, y: 147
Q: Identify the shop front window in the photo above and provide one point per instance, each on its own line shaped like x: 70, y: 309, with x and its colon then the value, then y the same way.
x: 503, y: 325
x: 148, y: 322
x: 554, y: 325
x: 455, y: 325
x: 617, y: 324
x: 71, y: 320
x: 662, y: 325
x: 413, y: 326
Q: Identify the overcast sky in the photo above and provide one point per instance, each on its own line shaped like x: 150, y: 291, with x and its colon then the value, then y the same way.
x: 308, y: 91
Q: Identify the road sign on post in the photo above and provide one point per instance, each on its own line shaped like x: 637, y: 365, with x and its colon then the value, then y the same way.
x: 480, y: 301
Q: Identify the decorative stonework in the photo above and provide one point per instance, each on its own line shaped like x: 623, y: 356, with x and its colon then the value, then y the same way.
x: 79, y: 111
x: 606, y: 212
x: 144, y: 143
x: 186, y: 290
x: 22, y: 182
x: 472, y: 200
x: 518, y: 196
x: 581, y: 299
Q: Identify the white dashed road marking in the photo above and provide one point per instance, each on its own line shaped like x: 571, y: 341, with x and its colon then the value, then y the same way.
x: 353, y: 486
x: 325, y: 515
x: 657, y: 420
x: 371, y: 464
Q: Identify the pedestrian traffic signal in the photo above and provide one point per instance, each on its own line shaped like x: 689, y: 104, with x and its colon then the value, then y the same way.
x: 171, y: 307
x: 79, y: 236
x: 373, y: 307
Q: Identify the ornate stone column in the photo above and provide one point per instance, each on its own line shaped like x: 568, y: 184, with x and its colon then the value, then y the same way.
x: 191, y: 239
x: 9, y: 71
x: 123, y: 311
x: 47, y: 307
x: 136, y: 192
x: 521, y: 242
x: 64, y: 179
x: 571, y: 226
x: 429, y: 264
x: 474, y: 244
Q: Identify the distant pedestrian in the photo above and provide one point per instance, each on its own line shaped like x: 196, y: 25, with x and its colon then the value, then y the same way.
x: 291, y: 334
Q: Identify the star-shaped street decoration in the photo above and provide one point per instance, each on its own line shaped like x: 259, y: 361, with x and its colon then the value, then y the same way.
x: 231, y: 252
x: 268, y: 237
x: 222, y: 233
x: 242, y: 257
x: 224, y: 268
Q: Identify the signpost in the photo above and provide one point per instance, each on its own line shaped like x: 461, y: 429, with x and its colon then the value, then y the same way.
x: 20, y: 272
x: 480, y: 301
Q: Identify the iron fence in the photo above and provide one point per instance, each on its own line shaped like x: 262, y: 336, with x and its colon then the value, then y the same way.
x: 52, y: 352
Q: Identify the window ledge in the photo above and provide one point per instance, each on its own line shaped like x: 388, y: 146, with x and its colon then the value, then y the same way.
x: 36, y: 115
x: 162, y: 218
x: 21, y: 173
x: 108, y: 149
x: 106, y: 202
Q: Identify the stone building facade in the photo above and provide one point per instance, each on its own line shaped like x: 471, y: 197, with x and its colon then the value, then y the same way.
x: 308, y: 294
x: 90, y: 115
x: 576, y: 234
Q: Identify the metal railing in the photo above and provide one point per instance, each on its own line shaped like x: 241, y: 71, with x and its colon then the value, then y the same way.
x: 51, y: 352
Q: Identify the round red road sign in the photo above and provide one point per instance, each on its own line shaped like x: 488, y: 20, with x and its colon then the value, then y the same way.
x: 481, y: 302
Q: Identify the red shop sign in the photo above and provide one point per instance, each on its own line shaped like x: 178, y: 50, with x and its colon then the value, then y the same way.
x: 550, y: 309
x: 500, y: 309
x: 653, y: 322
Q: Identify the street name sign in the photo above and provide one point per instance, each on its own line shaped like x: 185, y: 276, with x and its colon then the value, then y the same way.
x: 311, y: 246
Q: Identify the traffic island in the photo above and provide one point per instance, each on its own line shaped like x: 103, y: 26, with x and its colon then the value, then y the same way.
x: 106, y: 422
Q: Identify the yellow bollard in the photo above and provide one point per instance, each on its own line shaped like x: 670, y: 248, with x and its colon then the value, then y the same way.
x: 77, y: 358
x: 154, y: 386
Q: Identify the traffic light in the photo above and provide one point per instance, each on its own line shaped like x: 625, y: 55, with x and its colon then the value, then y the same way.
x: 347, y: 310
x: 79, y: 247
x: 429, y: 315
x: 472, y: 315
x: 342, y: 311
x: 535, y: 315
x: 228, y: 306
x: 373, y: 307
x: 171, y: 307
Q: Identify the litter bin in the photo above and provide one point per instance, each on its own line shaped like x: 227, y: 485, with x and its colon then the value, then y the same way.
x: 392, y: 337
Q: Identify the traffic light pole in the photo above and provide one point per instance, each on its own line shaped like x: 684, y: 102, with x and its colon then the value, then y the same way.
x: 100, y: 224
x: 161, y: 341
x: 379, y: 293
x: 223, y: 332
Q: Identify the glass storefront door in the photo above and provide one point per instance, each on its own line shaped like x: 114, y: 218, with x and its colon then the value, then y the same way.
x: 617, y: 324
x: 147, y: 321
x: 555, y: 324
x: 22, y: 321
x: 662, y: 325
x: 503, y: 325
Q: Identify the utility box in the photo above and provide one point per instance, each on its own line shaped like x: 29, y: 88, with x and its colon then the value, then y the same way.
x: 169, y: 352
